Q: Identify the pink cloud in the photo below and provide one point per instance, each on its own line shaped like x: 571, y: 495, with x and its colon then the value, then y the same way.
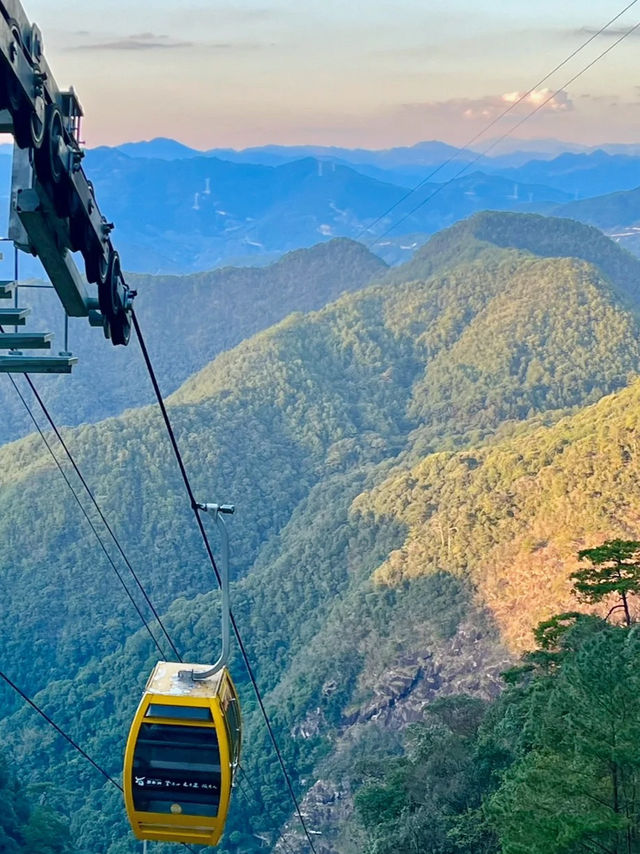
x: 492, y: 106
x: 489, y: 107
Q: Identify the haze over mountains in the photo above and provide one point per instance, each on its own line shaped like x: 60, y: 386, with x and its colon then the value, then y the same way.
x: 196, y: 213
x: 386, y: 454
x: 178, y: 210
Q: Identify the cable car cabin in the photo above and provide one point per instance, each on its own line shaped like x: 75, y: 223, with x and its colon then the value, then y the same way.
x: 181, y: 756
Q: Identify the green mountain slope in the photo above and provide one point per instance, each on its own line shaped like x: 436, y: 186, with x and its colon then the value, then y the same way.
x: 24, y: 828
x: 550, y: 237
x: 187, y: 321
x: 513, y: 516
x: 292, y: 426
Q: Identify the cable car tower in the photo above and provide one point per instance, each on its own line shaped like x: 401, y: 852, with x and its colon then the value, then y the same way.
x: 54, y: 211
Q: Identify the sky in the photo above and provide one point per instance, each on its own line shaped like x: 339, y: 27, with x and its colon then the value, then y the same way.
x: 356, y: 73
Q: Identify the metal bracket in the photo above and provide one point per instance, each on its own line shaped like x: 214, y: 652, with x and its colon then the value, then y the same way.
x: 54, y: 210
x: 56, y: 259
x: 219, y: 510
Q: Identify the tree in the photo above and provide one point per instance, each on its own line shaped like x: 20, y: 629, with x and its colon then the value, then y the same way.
x: 615, y: 570
x: 576, y: 785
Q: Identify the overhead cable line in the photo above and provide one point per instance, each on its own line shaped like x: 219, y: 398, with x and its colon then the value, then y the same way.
x: 60, y: 731
x: 205, y: 539
x: 244, y: 777
x: 86, y: 516
x: 66, y: 736
x: 505, y: 135
x: 495, y: 121
x: 99, y: 511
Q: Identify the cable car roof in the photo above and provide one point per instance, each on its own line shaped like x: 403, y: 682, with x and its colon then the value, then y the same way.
x: 165, y: 679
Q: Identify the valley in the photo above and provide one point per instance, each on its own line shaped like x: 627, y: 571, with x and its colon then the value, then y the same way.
x: 415, y: 465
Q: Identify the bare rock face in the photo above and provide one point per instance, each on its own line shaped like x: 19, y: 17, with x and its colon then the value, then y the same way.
x: 312, y: 725
x: 324, y: 809
x: 470, y: 663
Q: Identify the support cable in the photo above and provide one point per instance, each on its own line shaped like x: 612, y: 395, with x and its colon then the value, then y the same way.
x: 505, y: 135
x: 495, y: 121
x: 68, y: 738
x: 207, y: 545
x: 102, y: 516
x: 60, y: 731
x: 245, y: 778
x: 87, y: 517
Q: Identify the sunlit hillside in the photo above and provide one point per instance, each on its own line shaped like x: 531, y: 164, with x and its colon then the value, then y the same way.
x: 397, y: 492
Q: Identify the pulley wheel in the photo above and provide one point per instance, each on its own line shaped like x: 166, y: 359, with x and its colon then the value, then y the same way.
x: 49, y: 165
x: 16, y: 101
x: 108, y: 290
x: 37, y: 123
x: 28, y: 125
x: 120, y: 328
x: 96, y: 266
x: 21, y: 111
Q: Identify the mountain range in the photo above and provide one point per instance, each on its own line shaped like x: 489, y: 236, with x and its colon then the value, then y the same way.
x: 178, y: 210
x: 184, y: 215
x: 404, y: 461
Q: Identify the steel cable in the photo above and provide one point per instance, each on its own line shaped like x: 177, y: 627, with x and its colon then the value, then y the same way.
x: 207, y: 545
x: 504, y: 136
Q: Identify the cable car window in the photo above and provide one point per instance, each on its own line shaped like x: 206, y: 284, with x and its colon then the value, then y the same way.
x: 232, y: 718
x: 187, y: 713
x: 176, y: 769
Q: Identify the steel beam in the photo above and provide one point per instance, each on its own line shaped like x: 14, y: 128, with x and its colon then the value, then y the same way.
x: 56, y: 259
x: 26, y: 340
x: 20, y: 364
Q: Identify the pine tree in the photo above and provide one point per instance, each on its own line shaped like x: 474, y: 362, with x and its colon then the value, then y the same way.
x: 615, y: 569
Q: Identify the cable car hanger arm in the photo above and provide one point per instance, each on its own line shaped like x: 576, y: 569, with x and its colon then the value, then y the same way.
x: 225, y: 607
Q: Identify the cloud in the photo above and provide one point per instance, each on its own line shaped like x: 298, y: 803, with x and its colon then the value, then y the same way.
x: 136, y: 41
x: 612, y: 32
x: 492, y: 106
x: 151, y: 41
x: 545, y: 99
x: 602, y: 100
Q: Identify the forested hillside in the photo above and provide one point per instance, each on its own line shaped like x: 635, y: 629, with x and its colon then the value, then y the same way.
x: 25, y: 828
x: 187, y: 321
x: 404, y: 462
x: 551, y: 766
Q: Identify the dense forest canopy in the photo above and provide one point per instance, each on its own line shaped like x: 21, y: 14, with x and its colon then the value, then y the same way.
x: 415, y: 467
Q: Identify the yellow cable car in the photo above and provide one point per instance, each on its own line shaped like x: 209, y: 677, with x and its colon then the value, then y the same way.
x: 183, y: 748
x: 181, y: 757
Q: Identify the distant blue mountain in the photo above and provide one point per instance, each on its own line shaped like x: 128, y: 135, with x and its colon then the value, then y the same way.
x: 160, y: 148
x: 577, y: 170
x: 178, y: 210
x: 423, y: 153
x: 580, y: 175
x: 197, y: 213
